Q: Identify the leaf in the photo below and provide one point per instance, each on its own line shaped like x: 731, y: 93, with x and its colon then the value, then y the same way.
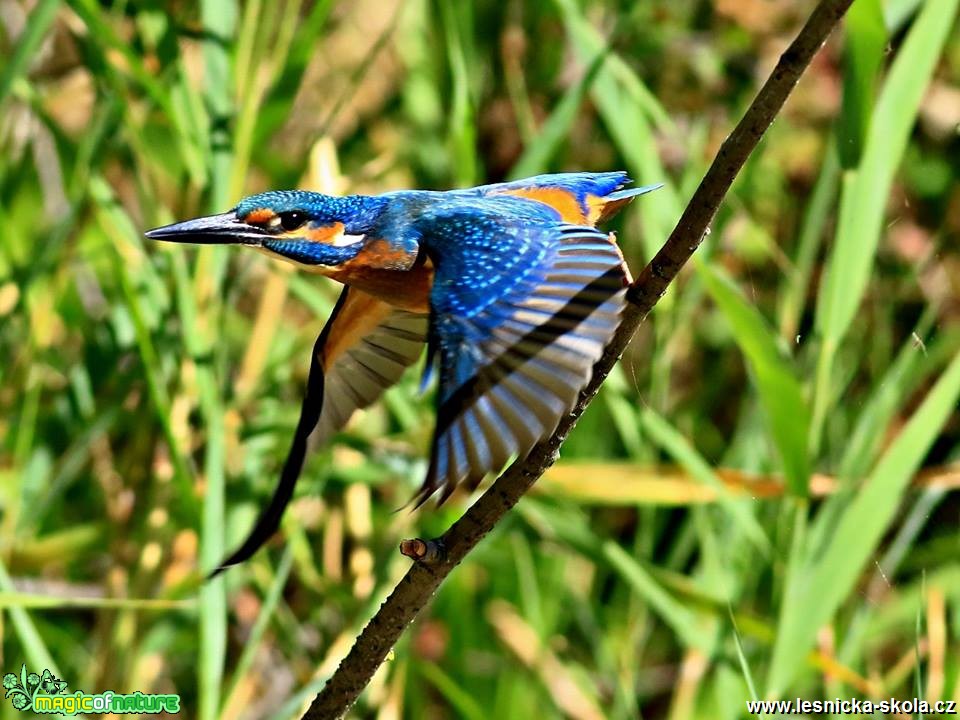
x: 780, y: 392
x: 862, y: 57
x: 825, y: 581
x: 40, y: 19
x: 866, y: 190
x: 537, y: 155
x: 628, y: 123
x: 678, y: 616
x: 458, y: 697
x: 34, y: 648
x: 665, y: 435
x: 463, y: 120
x: 793, y: 294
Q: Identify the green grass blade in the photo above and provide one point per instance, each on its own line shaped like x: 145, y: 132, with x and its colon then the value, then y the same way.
x: 213, y: 599
x: 459, y: 698
x: 219, y: 19
x: 867, y: 434
x: 794, y: 290
x: 572, y: 529
x: 586, y: 37
x: 40, y: 19
x: 253, y: 641
x: 463, y: 127
x: 742, y: 657
x: 865, y: 191
x: 117, y: 224
x: 898, y: 12
x: 9, y: 600
x: 780, y: 392
x: 110, y: 45
x: 276, y: 105
x: 863, y: 55
x: 35, y: 649
x: 828, y: 581
x: 678, y: 447
x: 538, y: 154
x: 678, y: 616
x: 629, y: 126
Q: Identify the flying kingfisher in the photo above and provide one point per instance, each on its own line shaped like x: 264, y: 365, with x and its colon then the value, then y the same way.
x: 510, y: 288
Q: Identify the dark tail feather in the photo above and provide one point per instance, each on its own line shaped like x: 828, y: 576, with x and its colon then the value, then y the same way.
x: 269, y: 520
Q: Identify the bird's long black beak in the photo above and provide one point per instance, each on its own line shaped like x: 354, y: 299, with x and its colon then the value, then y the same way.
x: 222, y: 229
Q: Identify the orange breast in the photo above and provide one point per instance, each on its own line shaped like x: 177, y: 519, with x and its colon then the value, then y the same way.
x: 407, y: 287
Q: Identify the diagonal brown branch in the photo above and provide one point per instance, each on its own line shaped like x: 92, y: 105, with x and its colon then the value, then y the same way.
x: 421, y: 581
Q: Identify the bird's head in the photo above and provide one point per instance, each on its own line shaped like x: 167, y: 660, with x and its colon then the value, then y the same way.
x: 305, y: 227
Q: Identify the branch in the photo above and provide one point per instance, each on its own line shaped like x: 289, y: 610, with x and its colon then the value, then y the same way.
x: 425, y: 576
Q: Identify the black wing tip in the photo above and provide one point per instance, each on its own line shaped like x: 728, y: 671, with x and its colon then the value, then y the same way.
x: 446, y: 486
x: 216, y: 572
x: 429, y: 488
x: 238, y: 557
x: 419, y: 499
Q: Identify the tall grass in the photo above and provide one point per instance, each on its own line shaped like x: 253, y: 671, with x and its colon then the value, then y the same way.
x: 759, y: 504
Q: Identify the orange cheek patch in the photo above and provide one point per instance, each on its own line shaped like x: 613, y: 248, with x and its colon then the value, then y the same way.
x: 325, y: 233
x: 560, y: 200
x: 260, y: 215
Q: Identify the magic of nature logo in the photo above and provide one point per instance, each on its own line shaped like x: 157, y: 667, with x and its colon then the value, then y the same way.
x: 47, y: 694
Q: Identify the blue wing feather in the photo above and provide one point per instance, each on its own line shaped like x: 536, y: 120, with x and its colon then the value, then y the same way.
x: 522, y: 306
x: 580, y: 184
x: 595, y: 197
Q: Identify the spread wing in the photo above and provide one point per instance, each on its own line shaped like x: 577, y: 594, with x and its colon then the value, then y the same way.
x: 522, y: 308
x: 363, y: 349
x: 368, y: 348
x: 581, y: 198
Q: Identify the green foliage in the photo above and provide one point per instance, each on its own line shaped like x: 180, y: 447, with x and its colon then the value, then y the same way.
x: 865, y: 191
x: 863, y: 54
x: 780, y: 392
x: 759, y: 503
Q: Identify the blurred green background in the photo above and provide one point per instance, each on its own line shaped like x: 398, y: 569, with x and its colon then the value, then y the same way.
x: 760, y: 502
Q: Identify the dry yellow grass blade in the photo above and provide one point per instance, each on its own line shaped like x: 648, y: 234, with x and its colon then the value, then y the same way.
x: 269, y: 310
x: 626, y: 484
x: 523, y: 641
x: 830, y: 667
x: 905, y: 665
x: 937, y: 641
x: 692, y: 670
x: 322, y: 175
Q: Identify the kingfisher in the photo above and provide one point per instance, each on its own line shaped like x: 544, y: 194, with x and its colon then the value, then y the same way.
x: 509, y: 288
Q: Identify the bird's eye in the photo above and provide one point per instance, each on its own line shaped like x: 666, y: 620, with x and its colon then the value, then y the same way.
x: 292, y: 220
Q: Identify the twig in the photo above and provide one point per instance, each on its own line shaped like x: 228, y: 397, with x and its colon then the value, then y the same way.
x: 421, y: 581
